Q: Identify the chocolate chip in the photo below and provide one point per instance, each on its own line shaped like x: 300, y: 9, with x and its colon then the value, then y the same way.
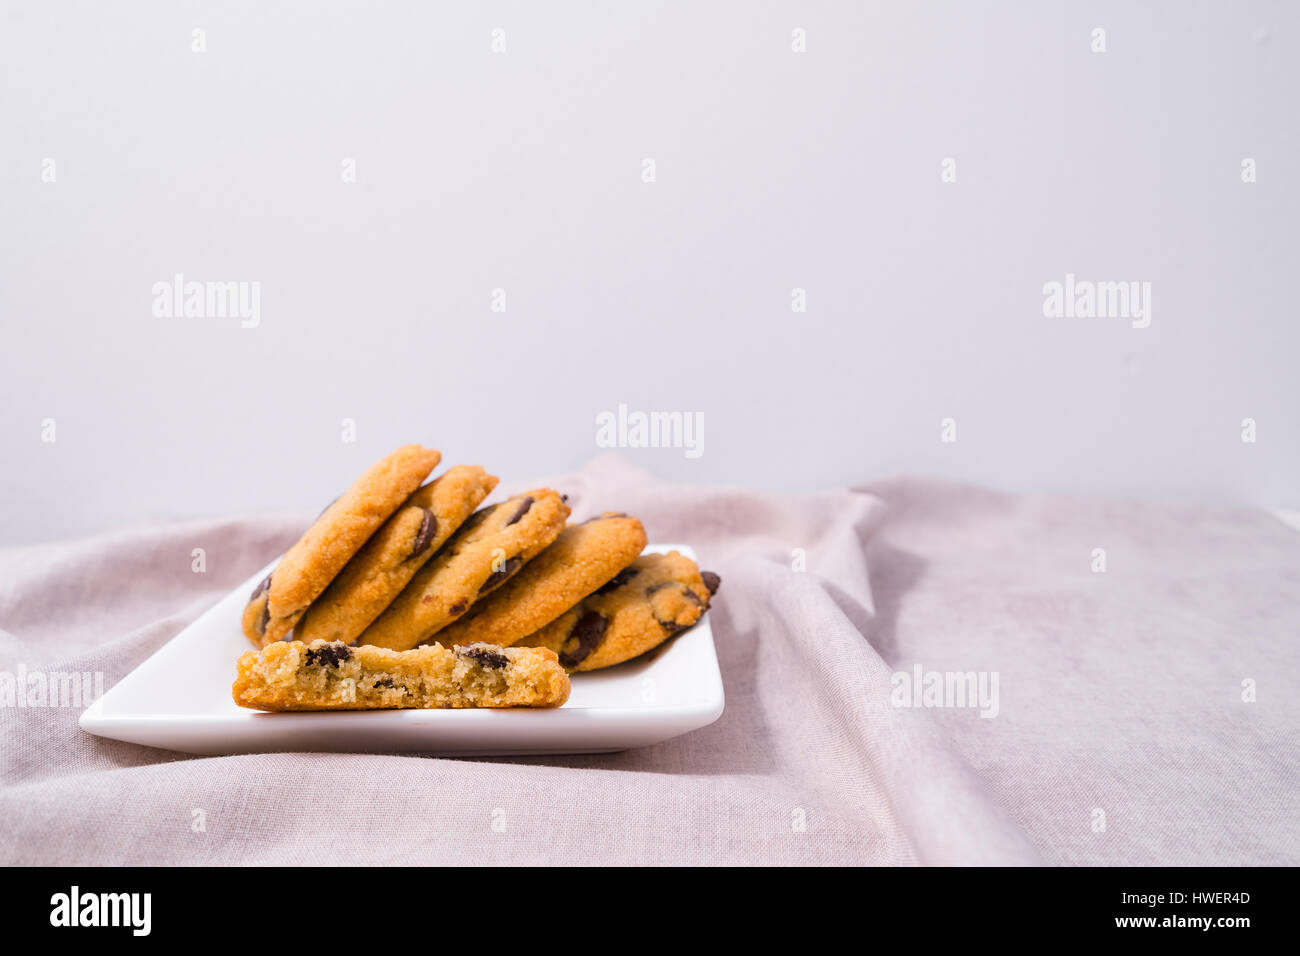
x: 457, y: 609
x: 685, y: 591
x: 331, y: 654
x: 484, y: 655
x: 711, y: 581
x: 618, y: 580
x: 522, y: 510
x: 266, y: 583
x: 384, y: 682
x: 265, y: 619
x: 670, y: 627
x: 498, y: 577
x: 424, y: 537
x: 588, y: 632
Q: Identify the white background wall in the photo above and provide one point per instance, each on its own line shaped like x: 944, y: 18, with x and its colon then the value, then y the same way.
x: 522, y: 170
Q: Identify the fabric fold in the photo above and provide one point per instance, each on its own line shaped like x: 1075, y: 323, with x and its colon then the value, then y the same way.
x: 829, y: 603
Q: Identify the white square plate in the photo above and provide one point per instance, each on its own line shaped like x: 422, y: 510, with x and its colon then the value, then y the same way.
x: 179, y: 699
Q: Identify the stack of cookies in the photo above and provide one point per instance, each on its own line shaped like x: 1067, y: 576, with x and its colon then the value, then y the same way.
x: 407, y: 595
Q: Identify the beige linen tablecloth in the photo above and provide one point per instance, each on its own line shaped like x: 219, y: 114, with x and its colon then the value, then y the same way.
x: 1146, y: 714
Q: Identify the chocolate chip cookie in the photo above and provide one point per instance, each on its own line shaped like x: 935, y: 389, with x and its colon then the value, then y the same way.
x: 391, y: 557
x: 582, y: 558
x: 486, y: 552
x: 657, y: 596
x: 320, y: 554
x: 291, y: 675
